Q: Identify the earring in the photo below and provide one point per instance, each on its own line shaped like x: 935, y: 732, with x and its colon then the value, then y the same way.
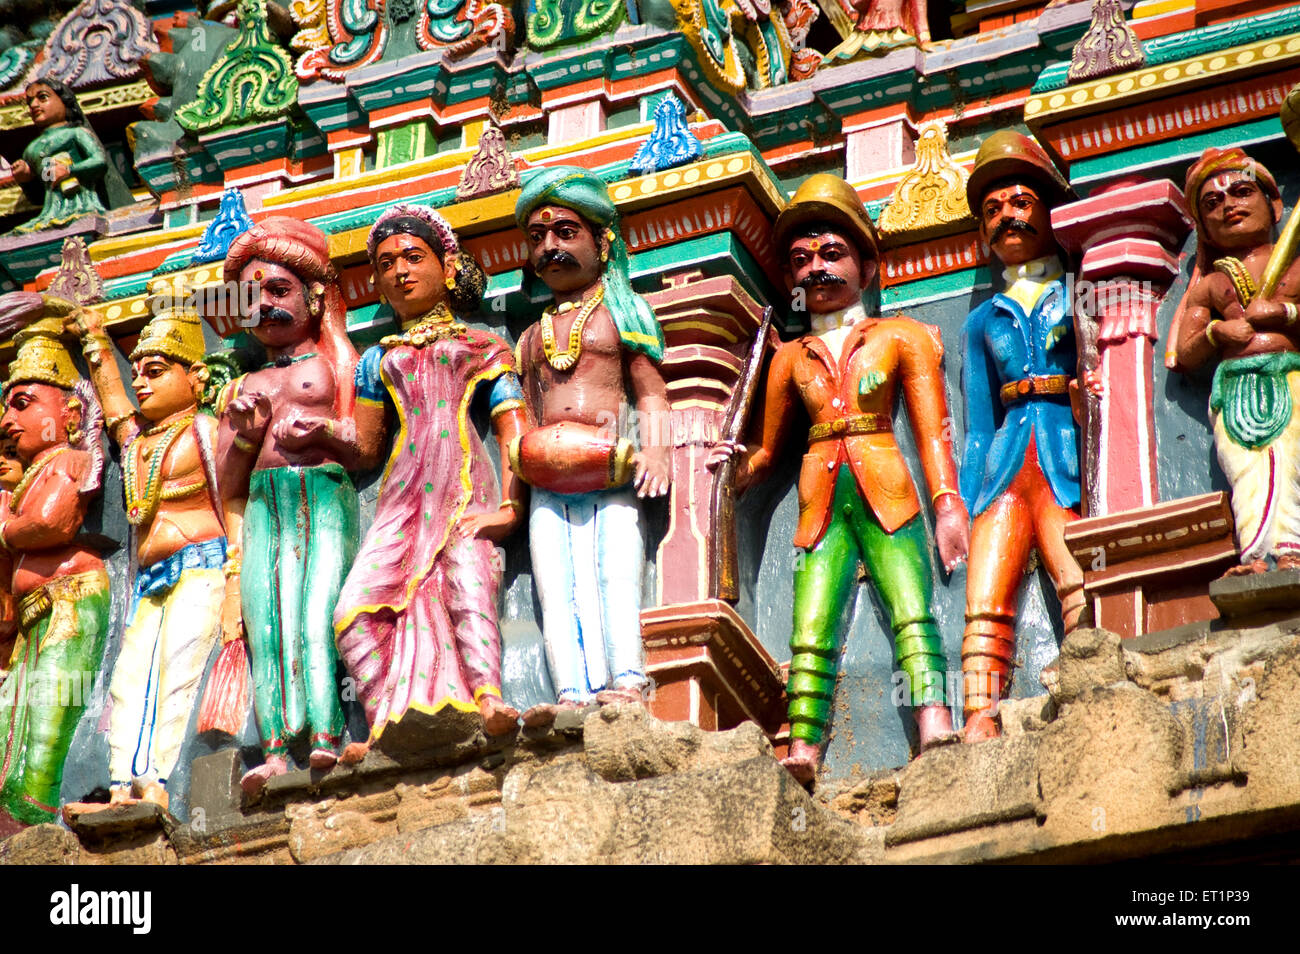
x: 449, y: 277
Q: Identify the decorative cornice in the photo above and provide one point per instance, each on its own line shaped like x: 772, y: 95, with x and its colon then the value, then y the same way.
x: 491, y: 169
x: 931, y: 196
x: 252, y: 79
x: 76, y: 280
x: 1193, y: 43
x: 1109, y: 45
x: 98, y: 42
x: 1117, y: 92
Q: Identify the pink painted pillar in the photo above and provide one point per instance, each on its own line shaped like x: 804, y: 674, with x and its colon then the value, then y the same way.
x: 1126, y: 238
x: 709, y: 325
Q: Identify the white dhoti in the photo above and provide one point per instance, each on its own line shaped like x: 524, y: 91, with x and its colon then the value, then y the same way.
x: 1265, y: 484
x: 587, y: 555
x: 165, y: 648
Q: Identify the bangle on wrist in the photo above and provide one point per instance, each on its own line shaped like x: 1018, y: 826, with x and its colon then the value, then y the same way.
x: 943, y: 493
x: 1209, y: 332
x: 232, y: 567
x: 244, y: 445
x: 515, y: 505
x: 1292, y: 313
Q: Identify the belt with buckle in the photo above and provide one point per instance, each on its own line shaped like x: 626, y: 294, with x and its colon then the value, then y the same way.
x: 869, y: 423
x: 1038, y: 386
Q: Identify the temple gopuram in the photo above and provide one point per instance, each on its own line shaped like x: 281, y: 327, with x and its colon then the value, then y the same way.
x: 678, y: 431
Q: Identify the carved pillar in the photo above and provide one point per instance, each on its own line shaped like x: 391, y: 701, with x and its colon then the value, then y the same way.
x: 1129, y: 236
x: 1146, y: 565
x: 707, y: 665
x: 709, y: 324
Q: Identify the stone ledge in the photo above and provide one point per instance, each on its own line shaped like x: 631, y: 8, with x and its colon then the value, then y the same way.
x: 1178, y: 747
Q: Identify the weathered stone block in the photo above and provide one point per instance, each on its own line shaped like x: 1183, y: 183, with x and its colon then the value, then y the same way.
x: 1271, y: 730
x: 319, y: 833
x: 41, y: 845
x: 1089, y: 658
x: 623, y: 743
x: 966, y: 786
x: 1109, y: 764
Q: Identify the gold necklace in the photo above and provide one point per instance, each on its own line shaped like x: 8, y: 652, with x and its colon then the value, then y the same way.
x: 140, y: 507
x: 566, y: 359
x: 15, y: 499
x: 434, y: 326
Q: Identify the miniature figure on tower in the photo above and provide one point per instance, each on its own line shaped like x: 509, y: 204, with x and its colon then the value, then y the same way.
x: 584, y: 526
x: 428, y: 573
x: 857, y: 502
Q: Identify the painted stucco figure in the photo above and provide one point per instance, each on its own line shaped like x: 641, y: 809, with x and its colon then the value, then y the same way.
x: 65, y: 164
x: 1020, y: 467
x: 417, y: 617
x: 173, y: 613
x: 857, y: 502
x: 1255, y: 336
x: 59, y: 582
x: 286, y: 442
x: 598, y: 342
x: 882, y: 25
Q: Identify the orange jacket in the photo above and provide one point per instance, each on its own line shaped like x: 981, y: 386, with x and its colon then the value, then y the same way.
x: 879, y: 354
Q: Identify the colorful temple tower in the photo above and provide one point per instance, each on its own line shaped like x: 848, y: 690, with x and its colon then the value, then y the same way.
x: 703, y: 119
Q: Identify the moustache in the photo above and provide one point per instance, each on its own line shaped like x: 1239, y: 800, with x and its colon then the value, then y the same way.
x: 813, y: 279
x: 1011, y: 225
x: 270, y: 315
x: 557, y: 256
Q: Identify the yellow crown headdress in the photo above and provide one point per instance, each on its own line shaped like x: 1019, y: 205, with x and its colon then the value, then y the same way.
x: 41, y: 357
x: 174, y: 333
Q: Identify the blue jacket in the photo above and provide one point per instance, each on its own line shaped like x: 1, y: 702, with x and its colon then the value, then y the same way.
x: 1000, y: 344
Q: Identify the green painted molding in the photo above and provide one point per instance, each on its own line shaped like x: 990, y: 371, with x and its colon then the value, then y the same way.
x: 1184, y: 150
x: 936, y: 288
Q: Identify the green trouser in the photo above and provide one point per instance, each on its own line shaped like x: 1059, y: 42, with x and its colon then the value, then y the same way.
x: 899, y: 563
x: 59, y: 652
x: 301, y: 529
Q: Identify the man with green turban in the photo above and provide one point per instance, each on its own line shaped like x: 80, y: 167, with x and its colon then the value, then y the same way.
x: 584, y: 525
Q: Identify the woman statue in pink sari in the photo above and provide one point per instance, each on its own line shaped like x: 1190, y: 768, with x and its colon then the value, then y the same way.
x: 417, y: 619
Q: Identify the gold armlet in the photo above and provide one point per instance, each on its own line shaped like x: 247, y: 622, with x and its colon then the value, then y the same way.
x: 232, y: 567
x: 1209, y: 332
x: 509, y: 404
x: 116, y: 420
x: 1292, y: 313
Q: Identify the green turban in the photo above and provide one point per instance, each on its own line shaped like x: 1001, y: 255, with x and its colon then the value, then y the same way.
x: 585, y: 193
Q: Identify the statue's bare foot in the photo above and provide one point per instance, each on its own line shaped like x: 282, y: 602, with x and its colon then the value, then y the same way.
x: 322, y: 760
x: 354, y: 752
x: 802, y: 761
x: 498, y: 718
x: 934, y: 726
x: 1246, y: 569
x: 255, y: 780
x: 543, y: 714
x: 613, y: 697
x: 982, y: 726
x: 1289, y: 561
x: 540, y: 715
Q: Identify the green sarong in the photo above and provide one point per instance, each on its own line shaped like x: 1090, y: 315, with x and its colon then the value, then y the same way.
x: 56, y: 659
x: 1253, y: 396
x: 301, y: 529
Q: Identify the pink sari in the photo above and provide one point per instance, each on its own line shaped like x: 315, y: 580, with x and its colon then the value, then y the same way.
x: 417, y: 617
